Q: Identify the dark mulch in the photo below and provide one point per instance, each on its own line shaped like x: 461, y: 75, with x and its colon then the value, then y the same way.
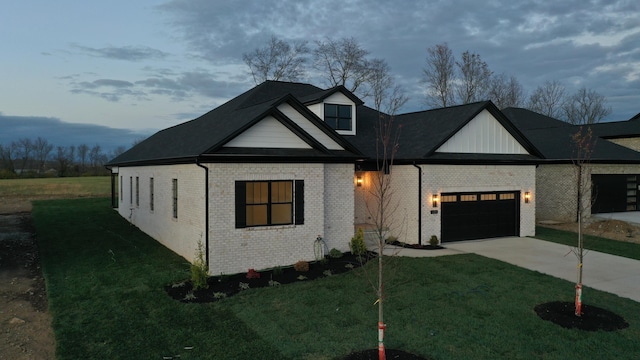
x: 415, y: 246
x: 593, y: 318
x: 228, y: 285
x: 391, y: 354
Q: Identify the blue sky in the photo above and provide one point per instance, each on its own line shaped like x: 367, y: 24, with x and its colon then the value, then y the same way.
x: 113, y: 70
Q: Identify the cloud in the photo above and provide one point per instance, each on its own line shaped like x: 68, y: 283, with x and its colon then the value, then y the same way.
x: 60, y: 133
x: 127, y: 53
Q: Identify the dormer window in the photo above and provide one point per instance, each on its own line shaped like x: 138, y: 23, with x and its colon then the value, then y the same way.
x: 338, y: 117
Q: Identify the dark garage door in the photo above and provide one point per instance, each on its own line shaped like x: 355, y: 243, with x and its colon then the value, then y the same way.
x: 467, y: 216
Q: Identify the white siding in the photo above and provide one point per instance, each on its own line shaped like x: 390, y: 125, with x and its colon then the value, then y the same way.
x: 309, y: 127
x: 268, y: 133
x: 485, y: 135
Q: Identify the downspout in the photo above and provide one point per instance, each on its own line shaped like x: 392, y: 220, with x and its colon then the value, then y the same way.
x: 419, y: 203
x: 206, y: 210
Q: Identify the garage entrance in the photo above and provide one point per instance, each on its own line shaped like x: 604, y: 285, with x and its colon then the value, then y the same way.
x: 480, y: 215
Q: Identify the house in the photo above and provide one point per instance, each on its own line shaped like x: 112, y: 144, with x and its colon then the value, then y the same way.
x: 259, y: 178
x: 614, y: 166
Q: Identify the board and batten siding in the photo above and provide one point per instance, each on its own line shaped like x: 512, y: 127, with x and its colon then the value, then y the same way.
x: 268, y: 133
x: 484, y: 135
x: 309, y: 127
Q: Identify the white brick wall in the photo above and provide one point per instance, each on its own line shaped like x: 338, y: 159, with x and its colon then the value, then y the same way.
x: 236, y: 250
x: 339, y: 210
x: 182, y: 234
x: 438, y: 179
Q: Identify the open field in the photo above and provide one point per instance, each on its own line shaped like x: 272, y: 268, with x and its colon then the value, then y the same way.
x: 16, y: 194
x: 105, y: 281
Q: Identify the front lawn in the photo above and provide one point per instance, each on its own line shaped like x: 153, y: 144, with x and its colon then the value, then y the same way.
x: 595, y: 243
x: 105, y: 284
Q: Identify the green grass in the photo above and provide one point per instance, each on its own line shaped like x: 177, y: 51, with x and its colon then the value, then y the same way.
x: 595, y: 243
x: 105, y: 278
x: 66, y: 187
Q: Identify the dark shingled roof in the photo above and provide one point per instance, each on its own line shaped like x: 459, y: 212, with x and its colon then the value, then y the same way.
x: 421, y: 133
x: 553, y: 137
x: 204, y: 136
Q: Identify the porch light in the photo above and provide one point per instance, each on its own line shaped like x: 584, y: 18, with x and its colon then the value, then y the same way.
x: 359, y: 181
x: 434, y: 200
x: 527, y: 197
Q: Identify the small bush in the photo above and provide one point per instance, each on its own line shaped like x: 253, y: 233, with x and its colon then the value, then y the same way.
x: 433, y: 241
x: 335, y: 253
x: 273, y: 283
x: 243, y: 286
x: 199, y: 271
x: 391, y: 239
x: 277, y: 271
x: 357, y: 245
x: 327, y: 273
x: 252, y: 274
x: 219, y: 295
x: 301, y: 266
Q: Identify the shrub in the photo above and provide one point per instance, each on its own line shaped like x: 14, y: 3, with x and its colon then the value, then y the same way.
x: 252, y: 274
x: 335, y: 253
x: 277, y: 271
x: 357, y: 244
x: 243, y: 286
x: 301, y: 266
x: 391, y: 239
x: 433, y: 241
x: 199, y: 271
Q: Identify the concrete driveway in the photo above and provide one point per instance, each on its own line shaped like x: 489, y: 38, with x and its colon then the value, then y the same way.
x: 610, y: 273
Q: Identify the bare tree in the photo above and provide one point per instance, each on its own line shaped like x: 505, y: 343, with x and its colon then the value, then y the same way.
x: 42, y: 150
x: 343, y: 62
x: 387, y: 96
x: 278, y: 60
x: 24, y: 152
x: 7, y: 156
x: 83, y: 152
x: 548, y: 99
x: 439, y: 76
x: 583, y: 144
x: 474, y: 78
x: 95, y: 157
x: 62, y: 157
x: 505, y: 91
x: 585, y: 107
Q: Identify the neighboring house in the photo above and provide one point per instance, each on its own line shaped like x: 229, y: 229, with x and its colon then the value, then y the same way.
x: 614, y: 166
x: 259, y: 178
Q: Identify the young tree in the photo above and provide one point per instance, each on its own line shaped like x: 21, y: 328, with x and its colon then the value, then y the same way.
x: 548, y: 99
x: 439, y: 76
x: 343, y: 62
x: 585, y: 107
x: 278, y: 60
x: 583, y: 144
x: 474, y: 78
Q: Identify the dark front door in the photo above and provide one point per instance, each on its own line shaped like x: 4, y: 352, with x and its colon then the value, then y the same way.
x: 467, y: 216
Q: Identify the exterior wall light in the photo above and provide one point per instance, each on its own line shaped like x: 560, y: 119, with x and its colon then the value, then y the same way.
x: 527, y: 197
x: 359, y: 181
x: 434, y: 200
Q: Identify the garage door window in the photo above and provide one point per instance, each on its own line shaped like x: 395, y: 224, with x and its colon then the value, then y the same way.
x: 507, y: 196
x: 468, y: 197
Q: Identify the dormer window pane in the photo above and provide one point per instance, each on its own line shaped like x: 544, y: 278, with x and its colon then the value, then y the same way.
x: 338, y: 116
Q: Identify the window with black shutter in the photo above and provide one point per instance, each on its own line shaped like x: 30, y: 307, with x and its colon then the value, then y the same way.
x: 267, y: 203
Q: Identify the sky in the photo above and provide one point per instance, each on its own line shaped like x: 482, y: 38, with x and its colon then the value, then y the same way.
x: 112, y: 72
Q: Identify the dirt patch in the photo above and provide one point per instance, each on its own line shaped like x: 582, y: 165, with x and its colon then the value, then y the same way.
x: 592, y: 318
x: 610, y: 229
x: 25, y: 324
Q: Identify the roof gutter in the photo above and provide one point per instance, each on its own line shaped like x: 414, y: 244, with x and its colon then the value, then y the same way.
x: 206, y: 210
x: 419, y: 203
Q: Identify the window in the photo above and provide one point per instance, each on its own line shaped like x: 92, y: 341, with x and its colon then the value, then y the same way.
x: 121, y: 193
x: 468, y: 197
x: 509, y: 196
x: 338, y: 116
x: 137, y: 191
x: 130, y: 189
x: 174, y: 192
x: 264, y: 203
x: 485, y: 197
x: 449, y: 198
x: 151, y: 194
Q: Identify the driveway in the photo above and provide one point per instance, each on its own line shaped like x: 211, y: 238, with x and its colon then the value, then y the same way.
x: 610, y: 273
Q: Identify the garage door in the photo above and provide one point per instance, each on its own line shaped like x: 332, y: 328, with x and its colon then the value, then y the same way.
x: 467, y: 216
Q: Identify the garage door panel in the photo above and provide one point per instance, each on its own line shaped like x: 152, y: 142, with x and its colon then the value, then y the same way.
x: 489, y: 215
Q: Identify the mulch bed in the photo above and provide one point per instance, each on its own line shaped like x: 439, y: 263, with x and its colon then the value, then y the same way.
x: 593, y: 318
x: 415, y: 246
x: 223, y: 286
x: 391, y: 354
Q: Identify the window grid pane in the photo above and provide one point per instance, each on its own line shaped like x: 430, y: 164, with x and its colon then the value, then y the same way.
x: 269, y: 203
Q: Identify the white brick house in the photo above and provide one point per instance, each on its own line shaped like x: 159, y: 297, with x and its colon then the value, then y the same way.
x: 257, y: 179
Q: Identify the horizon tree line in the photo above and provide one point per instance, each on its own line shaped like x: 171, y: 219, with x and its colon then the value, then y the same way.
x: 38, y: 157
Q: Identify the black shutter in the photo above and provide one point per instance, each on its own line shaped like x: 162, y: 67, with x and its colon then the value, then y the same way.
x: 241, y: 204
x: 299, y: 206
